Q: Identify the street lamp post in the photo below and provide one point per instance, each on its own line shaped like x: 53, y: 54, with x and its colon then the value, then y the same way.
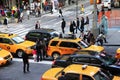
x: 95, y: 29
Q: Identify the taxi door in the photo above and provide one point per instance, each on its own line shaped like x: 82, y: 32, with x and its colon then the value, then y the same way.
x: 68, y: 47
x: 7, y: 44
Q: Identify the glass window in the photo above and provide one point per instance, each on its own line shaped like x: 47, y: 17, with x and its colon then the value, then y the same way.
x: 107, y: 59
x: 83, y: 44
x: 107, y: 73
x: 81, y: 60
x: 72, y: 76
x: 64, y: 44
x: 33, y: 34
x: 85, y: 77
x: 5, y: 40
x: 54, y: 43
x: 69, y: 44
x: 101, y: 76
x: 54, y: 34
x: 1, y: 40
x: 95, y: 61
x: 46, y: 35
x: 18, y: 39
x: 86, y: 52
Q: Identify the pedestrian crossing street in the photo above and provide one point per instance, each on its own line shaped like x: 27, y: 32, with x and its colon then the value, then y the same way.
x: 22, y: 28
x: 70, y: 13
x: 67, y: 13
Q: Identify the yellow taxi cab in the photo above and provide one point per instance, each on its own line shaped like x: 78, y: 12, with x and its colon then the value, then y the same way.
x: 117, y: 53
x: 15, y: 44
x: 79, y: 72
x: 5, y: 57
x: 59, y: 46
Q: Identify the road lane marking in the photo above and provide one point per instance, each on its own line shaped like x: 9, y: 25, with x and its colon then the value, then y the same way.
x: 32, y: 61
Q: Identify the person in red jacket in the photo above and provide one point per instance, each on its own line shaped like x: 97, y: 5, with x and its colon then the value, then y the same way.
x: 34, y: 52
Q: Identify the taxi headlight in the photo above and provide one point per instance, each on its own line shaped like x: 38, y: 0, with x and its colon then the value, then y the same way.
x: 1, y: 58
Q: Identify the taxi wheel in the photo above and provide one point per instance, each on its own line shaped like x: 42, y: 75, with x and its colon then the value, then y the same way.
x: 19, y: 53
x: 55, y: 55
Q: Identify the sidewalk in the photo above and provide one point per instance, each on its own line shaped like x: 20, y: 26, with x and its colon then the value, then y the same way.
x: 113, y: 37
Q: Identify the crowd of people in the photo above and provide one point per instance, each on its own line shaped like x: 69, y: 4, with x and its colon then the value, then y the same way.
x: 79, y: 25
x: 82, y: 24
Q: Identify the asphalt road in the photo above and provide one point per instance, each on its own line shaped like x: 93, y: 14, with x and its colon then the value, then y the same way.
x: 14, y: 71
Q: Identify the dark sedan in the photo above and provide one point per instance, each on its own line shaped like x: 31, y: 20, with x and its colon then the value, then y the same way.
x: 104, y: 61
x: 44, y: 33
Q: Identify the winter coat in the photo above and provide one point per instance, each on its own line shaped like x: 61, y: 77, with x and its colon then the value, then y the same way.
x: 71, y: 27
x: 60, y: 11
x: 78, y: 22
x: 5, y: 21
x: 63, y: 24
x: 104, y: 23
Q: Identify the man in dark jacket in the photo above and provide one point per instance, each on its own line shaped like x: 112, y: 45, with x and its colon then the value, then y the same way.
x: 82, y: 26
x: 63, y: 24
x: 60, y: 12
x: 39, y: 48
x: 77, y: 24
x: 25, y: 62
x: 6, y: 22
x: 71, y: 27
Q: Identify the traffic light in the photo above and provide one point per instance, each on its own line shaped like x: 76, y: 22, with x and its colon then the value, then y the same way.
x: 97, y: 2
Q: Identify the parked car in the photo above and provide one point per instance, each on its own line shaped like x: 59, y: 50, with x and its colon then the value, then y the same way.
x: 15, y: 44
x: 5, y: 57
x: 101, y: 60
x: 67, y: 45
x: 45, y: 33
x: 79, y: 72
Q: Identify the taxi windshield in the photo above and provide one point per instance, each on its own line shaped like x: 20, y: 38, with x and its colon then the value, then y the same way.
x: 83, y: 44
x: 18, y: 40
x: 103, y: 75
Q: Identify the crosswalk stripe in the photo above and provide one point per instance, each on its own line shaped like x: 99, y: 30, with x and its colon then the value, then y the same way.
x: 21, y: 31
x: 32, y: 61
